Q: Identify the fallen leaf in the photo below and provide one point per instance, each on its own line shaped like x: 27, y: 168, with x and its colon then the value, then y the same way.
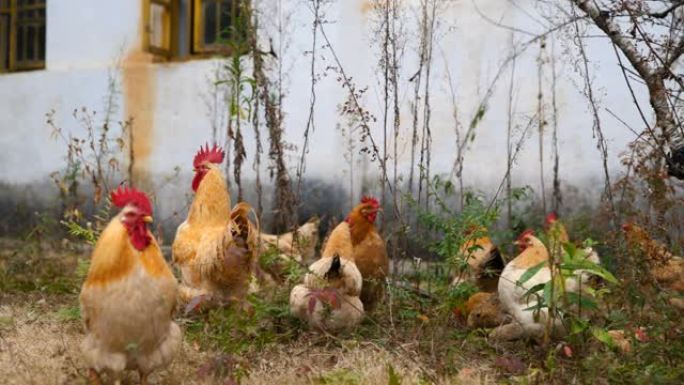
x: 620, y: 341
x: 567, y: 351
x: 640, y: 334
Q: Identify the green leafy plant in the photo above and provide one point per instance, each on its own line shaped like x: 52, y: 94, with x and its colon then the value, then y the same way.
x: 457, y: 229
x: 454, y: 229
x: 572, y: 307
x: 245, y: 327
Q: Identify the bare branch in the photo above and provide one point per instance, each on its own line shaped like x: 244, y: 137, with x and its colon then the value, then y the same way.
x: 612, y: 30
x: 653, y: 76
x: 663, y: 14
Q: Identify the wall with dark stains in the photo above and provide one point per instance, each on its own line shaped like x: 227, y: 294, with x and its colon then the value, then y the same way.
x: 175, y: 109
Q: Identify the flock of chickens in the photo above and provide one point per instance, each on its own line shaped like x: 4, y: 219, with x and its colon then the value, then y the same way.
x: 130, y: 293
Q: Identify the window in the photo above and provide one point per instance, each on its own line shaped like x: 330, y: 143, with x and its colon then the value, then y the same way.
x: 180, y: 28
x: 22, y: 35
x: 159, y: 32
x: 216, y: 23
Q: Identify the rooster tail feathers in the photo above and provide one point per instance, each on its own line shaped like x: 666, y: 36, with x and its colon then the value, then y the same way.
x: 495, y: 264
x: 241, y: 211
x: 242, y: 226
x: 335, y: 267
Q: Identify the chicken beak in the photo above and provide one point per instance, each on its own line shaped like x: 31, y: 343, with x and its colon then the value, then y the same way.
x: 148, y: 219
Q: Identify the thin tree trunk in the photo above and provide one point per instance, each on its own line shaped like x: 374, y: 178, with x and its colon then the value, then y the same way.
x: 386, y: 69
x: 255, y: 119
x: 557, y: 197
x: 541, y: 119
x: 416, y: 93
x: 509, y: 133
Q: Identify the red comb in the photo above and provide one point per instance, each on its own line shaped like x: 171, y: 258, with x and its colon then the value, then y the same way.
x: 205, y: 154
x: 129, y: 195
x: 371, y: 200
x: 552, y: 217
x: 526, y: 233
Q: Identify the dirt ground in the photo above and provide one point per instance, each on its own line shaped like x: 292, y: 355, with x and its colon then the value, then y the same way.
x: 406, y: 341
x: 40, y: 333
x: 39, y: 344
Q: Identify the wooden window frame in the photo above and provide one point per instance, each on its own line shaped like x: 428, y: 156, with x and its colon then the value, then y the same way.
x: 169, y: 33
x: 194, y: 27
x: 13, y: 65
x: 198, y: 45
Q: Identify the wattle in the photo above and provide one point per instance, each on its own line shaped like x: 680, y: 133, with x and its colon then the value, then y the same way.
x: 139, y: 236
x: 196, y: 180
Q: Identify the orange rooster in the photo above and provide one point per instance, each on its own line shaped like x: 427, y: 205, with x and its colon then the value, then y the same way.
x: 666, y: 269
x: 485, y: 262
x: 129, y: 295
x: 369, y: 251
x: 215, y: 247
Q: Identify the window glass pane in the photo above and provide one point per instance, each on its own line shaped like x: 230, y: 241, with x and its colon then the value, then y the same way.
x: 20, y: 44
x: 31, y: 42
x: 157, y: 26
x: 41, y: 43
x: 226, y: 19
x: 209, y: 11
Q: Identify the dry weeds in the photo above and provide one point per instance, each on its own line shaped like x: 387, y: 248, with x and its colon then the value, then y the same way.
x: 39, y: 345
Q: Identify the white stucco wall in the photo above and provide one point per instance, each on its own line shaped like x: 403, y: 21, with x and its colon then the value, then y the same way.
x: 85, y: 38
